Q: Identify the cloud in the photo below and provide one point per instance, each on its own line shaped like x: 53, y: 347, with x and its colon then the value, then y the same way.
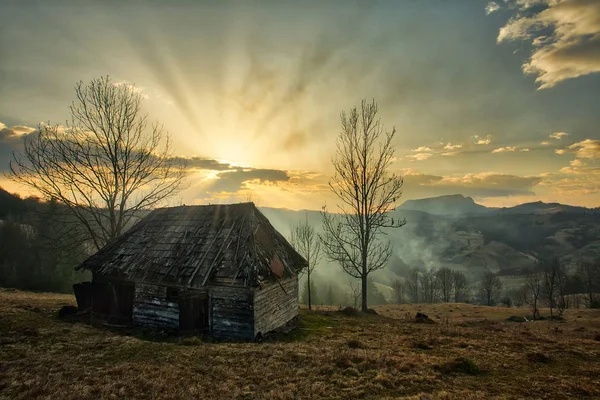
x: 233, y: 181
x: 421, y: 149
x: 203, y: 163
x: 11, y: 140
x: 558, y: 135
x: 586, y: 149
x: 524, y: 150
x: 451, y: 146
x: 564, y: 34
x: 482, y: 140
x: 420, y: 156
x: 560, y: 151
x: 505, y: 149
x: 491, y: 7
x: 545, y: 143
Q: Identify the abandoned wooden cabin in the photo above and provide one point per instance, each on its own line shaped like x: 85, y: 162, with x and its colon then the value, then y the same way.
x: 221, y: 270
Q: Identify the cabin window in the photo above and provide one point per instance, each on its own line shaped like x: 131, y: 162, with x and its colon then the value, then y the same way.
x: 172, y: 294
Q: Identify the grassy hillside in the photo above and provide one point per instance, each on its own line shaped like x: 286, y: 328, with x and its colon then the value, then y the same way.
x: 470, y: 352
x: 504, y: 242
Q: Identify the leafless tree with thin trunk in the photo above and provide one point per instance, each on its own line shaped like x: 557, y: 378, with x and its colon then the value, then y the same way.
x: 549, y: 283
x: 107, y: 164
x: 305, y: 240
x: 367, y: 193
x: 444, y: 278
x: 590, y: 276
x: 354, y: 292
x: 490, y: 287
x: 398, y: 291
x: 430, y: 286
x: 534, y: 283
x: 413, y: 285
x: 460, y: 286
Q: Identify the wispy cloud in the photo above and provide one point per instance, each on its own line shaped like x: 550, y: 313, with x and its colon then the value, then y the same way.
x: 482, y: 140
x: 545, y: 143
x: 558, y: 135
x: 586, y: 149
x: 505, y: 149
x: 491, y: 7
x: 565, y: 35
x: 421, y: 149
x: 450, y: 146
x: 420, y: 156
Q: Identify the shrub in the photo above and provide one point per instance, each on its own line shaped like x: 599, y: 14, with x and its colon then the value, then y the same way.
x: 355, y: 344
x: 461, y: 365
x: 537, y: 357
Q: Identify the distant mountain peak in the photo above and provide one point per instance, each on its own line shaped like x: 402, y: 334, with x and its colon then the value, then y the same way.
x: 453, y: 204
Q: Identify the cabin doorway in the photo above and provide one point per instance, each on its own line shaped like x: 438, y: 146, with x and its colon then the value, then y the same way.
x: 193, y: 313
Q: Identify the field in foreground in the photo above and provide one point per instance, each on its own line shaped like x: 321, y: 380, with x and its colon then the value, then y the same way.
x: 471, y: 352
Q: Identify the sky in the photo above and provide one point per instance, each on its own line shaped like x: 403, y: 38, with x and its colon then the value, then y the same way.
x: 497, y: 100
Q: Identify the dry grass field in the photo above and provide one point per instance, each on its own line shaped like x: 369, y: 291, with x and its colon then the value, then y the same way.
x: 470, y: 352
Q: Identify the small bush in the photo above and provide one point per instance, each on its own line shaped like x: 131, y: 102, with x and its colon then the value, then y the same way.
x: 422, y: 345
x: 537, y: 357
x: 461, y: 365
x: 597, y: 337
x: 355, y: 344
x: 349, y: 311
x: 514, y: 318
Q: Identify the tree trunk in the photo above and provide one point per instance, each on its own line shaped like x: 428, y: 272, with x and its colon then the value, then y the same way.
x: 364, y: 293
x: 309, y: 300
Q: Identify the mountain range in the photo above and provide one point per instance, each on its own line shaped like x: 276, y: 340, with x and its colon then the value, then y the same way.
x: 454, y: 231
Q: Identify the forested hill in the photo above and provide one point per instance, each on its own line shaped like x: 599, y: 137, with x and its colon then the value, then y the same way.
x: 451, y: 235
x: 461, y: 234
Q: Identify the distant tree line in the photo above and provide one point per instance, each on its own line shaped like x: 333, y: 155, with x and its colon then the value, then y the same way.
x: 36, y: 252
x: 431, y: 286
x: 551, y: 285
x: 327, y: 292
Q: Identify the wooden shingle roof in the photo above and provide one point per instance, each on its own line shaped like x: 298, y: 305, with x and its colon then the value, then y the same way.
x: 191, y: 246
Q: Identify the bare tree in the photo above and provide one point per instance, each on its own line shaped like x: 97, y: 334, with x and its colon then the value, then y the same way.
x: 413, y: 285
x: 519, y: 296
x: 490, y: 287
x: 534, y: 283
x: 444, y: 278
x: 562, y: 279
x: 590, y: 276
x: 305, y: 240
x: 106, y: 164
x: 554, y: 285
x: 367, y: 193
x: 398, y: 291
x: 354, y: 292
x: 430, y: 286
x: 459, y: 285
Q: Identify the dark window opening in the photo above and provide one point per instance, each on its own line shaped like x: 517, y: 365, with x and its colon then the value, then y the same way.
x: 172, y: 294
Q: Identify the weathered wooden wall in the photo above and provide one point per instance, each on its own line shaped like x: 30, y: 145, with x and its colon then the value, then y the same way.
x: 275, y: 305
x: 232, y: 315
x: 151, y: 308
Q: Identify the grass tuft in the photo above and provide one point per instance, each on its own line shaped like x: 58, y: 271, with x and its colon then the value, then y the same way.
x: 461, y: 365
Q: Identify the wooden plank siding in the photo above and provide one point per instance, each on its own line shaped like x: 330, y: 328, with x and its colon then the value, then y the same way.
x: 275, y: 305
x: 232, y: 315
x: 151, y: 308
